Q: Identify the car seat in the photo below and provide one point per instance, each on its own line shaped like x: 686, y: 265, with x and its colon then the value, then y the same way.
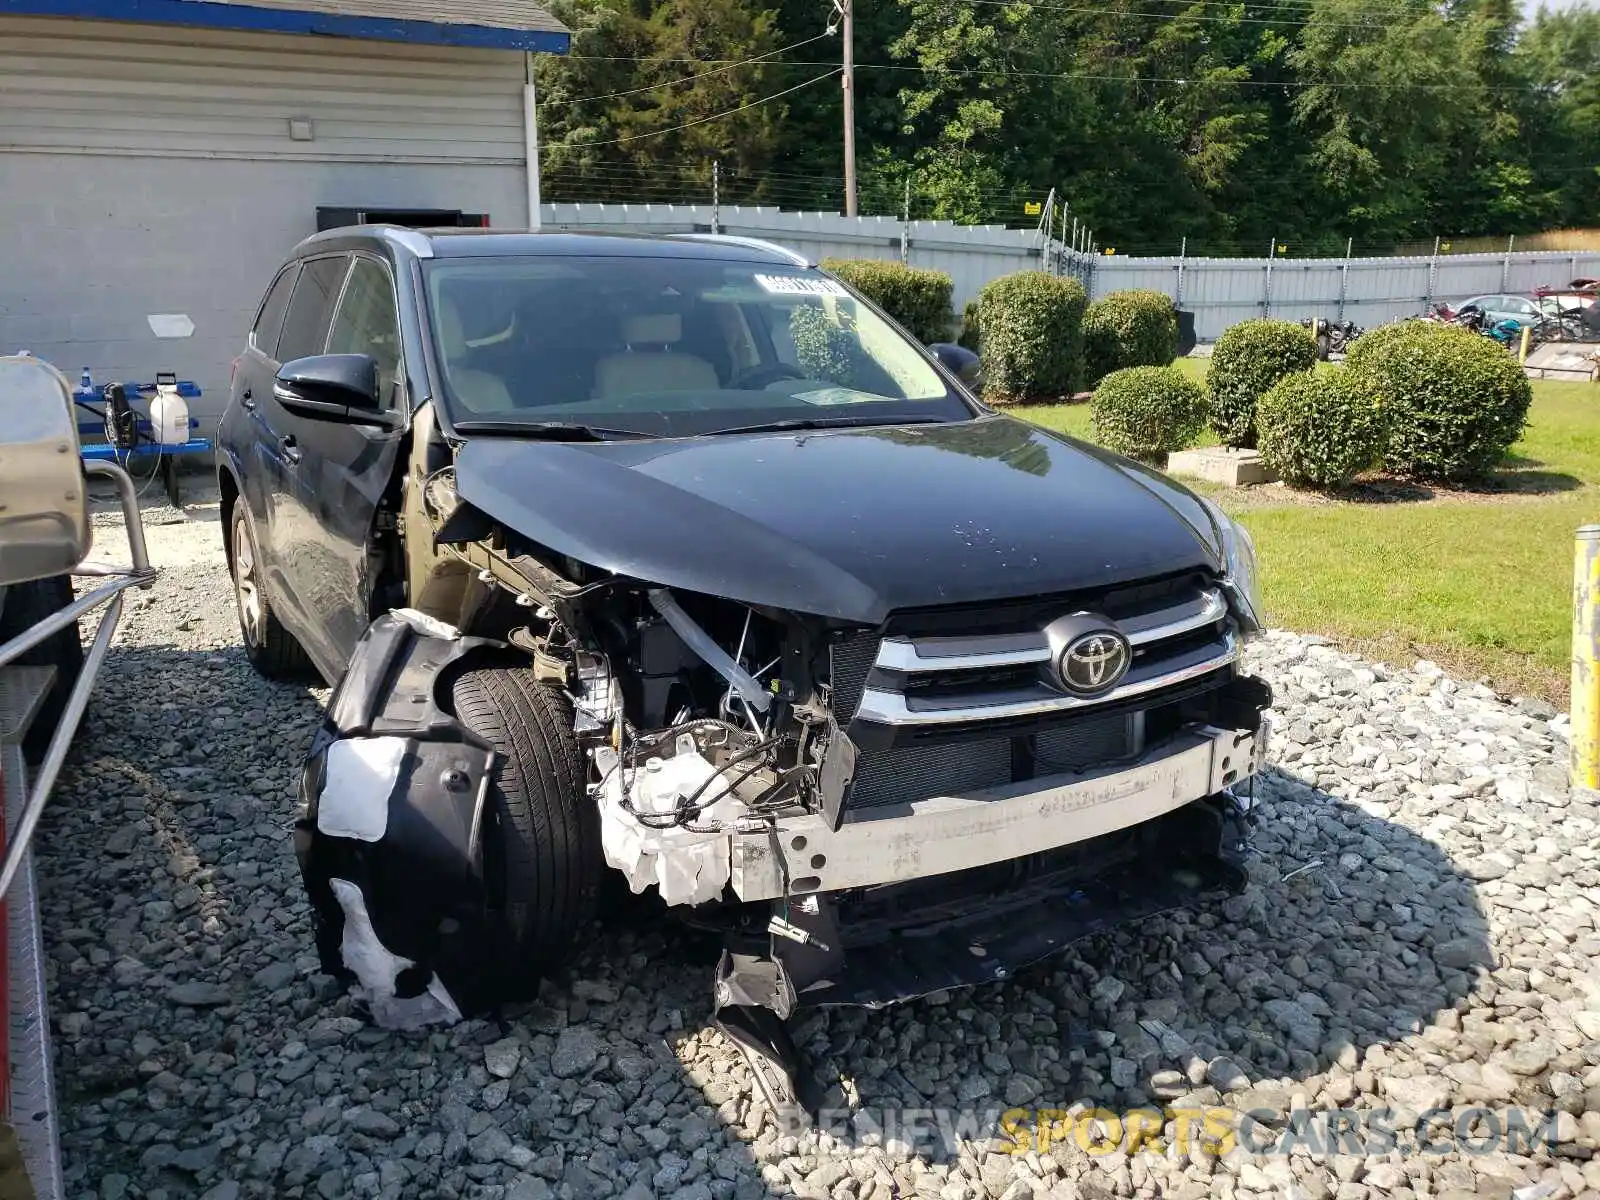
x: 479, y: 390
x: 649, y: 364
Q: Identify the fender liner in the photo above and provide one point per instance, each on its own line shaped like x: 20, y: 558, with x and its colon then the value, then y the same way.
x: 423, y: 880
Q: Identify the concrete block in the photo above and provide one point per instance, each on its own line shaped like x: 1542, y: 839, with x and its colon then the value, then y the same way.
x: 1219, y: 464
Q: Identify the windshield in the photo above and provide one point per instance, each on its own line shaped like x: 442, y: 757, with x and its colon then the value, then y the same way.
x: 668, y: 346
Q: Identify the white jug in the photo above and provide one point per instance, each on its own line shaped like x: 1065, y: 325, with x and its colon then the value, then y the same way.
x: 169, y: 417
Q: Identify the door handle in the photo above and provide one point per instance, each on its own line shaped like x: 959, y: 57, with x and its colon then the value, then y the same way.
x: 291, y: 452
x: 246, y: 401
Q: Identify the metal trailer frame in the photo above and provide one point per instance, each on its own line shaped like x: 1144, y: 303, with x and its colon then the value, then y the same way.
x: 32, y: 1109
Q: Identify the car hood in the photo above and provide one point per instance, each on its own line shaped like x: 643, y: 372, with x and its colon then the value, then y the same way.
x: 847, y: 523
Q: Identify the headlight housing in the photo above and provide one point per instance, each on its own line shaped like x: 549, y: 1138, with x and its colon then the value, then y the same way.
x: 1242, y: 581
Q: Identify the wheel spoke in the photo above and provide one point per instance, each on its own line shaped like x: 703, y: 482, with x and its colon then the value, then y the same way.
x: 246, y: 587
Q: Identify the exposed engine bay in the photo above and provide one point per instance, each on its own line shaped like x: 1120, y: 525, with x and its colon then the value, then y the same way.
x: 822, y: 794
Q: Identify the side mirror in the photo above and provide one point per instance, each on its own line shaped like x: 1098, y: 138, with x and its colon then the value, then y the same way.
x: 958, y: 360
x: 332, y: 387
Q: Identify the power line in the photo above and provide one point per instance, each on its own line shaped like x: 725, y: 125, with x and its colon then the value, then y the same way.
x: 1174, y: 17
x: 634, y: 137
x: 1094, y: 77
x: 1264, y: 83
x: 731, y: 66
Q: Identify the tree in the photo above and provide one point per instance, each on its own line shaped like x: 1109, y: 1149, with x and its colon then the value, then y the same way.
x: 1222, y: 123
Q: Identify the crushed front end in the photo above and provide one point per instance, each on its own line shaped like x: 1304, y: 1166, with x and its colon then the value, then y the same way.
x: 865, y: 815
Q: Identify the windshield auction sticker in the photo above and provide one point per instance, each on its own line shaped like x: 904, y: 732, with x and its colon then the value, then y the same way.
x: 792, y: 285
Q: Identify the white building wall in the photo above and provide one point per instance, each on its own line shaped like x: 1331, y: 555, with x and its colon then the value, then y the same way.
x: 150, y: 170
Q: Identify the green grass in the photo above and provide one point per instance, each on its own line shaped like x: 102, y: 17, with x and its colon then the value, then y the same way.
x: 1480, y: 582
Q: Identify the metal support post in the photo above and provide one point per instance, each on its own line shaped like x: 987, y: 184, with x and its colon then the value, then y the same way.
x: 905, y: 225
x: 1266, y: 285
x: 1183, y: 252
x: 716, y: 196
x: 1344, y: 275
x: 1433, y: 276
x: 1586, y: 659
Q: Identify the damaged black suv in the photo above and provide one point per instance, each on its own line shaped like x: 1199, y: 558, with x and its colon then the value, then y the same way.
x: 674, y: 557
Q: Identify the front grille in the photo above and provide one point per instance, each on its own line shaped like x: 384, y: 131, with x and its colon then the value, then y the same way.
x: 901, y: 774
x: 1083, y: 743
x: 953, y: 680
x: 944, y: 702
x: 849, y: 661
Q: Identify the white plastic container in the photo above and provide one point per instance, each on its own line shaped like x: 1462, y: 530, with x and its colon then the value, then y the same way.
x: 169, y: 417
x: 685, y: 866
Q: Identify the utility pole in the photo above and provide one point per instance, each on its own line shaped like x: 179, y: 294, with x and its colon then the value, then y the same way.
x: 847, y: 11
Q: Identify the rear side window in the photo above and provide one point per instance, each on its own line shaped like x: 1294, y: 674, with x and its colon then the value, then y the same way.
x: 366, y: 322
x: 269, y: 322
x: 306, y: 325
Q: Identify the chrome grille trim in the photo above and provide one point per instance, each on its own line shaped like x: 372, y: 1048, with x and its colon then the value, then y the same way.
x: 891, y: 708
x: 911, y: 655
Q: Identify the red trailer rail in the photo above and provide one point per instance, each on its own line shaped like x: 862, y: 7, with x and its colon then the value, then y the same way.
x: 27, y: 1085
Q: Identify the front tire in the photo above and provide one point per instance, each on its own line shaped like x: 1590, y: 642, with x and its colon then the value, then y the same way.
x: 271, y: 649
x: 541, y: 846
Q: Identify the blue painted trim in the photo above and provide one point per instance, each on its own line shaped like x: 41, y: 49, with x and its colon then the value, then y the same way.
x: 283, y: 20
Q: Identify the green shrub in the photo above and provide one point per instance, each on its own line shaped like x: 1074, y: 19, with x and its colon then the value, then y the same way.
x: 1247, y: 360
x: 1129, y: 329
x: 1320, y: 429
x: 969, y: 326
x: 1032, y: 337
x: 1369, y: 343
x: 1454, y: 401
x: 918, y: 299
x: 1145, y: 412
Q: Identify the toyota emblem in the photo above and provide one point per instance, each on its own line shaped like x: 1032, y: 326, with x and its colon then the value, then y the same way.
x: 1089, y: 654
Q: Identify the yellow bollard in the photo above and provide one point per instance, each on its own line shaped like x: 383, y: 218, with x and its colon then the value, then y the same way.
x: 1586, y: 659
x: 1527, y: 336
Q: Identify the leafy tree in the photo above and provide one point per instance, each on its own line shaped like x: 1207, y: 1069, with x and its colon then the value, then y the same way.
x: 1226, y: 124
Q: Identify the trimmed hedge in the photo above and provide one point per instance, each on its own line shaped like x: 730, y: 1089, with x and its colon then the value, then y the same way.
x: 1320, y: 429
x: 1032, y: 337
x: 1247, y: 360
x: 1129, y: 329
x: 970, y: 326
x: 1145, y: 412
x: 1365, y: 347
x: 918, y: 299
x: 1454, y: 401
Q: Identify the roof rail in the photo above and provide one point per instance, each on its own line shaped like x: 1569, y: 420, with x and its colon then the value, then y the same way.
x: 730, y: 239
x: 410, y: 239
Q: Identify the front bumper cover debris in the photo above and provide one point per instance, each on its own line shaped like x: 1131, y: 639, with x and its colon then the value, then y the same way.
x: 405, y: 828
x: 874, y: 947
x: 878, y: 945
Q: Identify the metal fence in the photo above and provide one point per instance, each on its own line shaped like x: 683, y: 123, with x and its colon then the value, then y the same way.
x: 1219, y: 291
x: 1368, y: 291
x: 971, y: 255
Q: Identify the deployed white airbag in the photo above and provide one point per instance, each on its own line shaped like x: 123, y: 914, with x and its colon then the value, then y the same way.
x: 375, y: 969
x: 686, y: 866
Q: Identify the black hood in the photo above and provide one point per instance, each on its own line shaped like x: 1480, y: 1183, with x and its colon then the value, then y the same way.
x: 847, y: 523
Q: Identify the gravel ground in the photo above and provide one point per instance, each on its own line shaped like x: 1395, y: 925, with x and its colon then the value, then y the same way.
x: 1420, y: 931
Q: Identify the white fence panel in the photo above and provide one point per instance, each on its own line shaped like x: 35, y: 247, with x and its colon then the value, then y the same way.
x: 1219, y: 291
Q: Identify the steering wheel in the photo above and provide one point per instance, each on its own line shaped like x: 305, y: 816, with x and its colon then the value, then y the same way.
x: 758, y: 377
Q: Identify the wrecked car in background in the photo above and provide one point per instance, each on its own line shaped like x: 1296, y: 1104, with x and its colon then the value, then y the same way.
x: 676, y: 558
